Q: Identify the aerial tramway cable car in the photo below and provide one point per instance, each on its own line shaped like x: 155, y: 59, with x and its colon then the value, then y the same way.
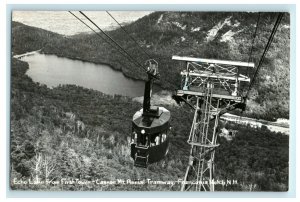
x: 150, y: 126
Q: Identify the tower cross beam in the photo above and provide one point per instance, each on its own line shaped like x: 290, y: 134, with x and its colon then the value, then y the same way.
x: 213, y: 61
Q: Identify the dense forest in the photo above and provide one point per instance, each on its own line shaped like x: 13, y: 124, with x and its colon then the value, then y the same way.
x: 65, y: 137
x: 217, y: 35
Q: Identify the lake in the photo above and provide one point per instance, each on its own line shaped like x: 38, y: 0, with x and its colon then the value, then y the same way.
x: 52, y: 71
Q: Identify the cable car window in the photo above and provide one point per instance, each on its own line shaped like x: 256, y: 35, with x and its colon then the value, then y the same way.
x: 143, y: 140
x: 163, y: 137
x: 134, y: 137
x: 147, y: 140
x: 152, y: 140
x: 157, y: 140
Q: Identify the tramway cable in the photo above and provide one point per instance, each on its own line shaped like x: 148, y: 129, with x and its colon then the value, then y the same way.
x: 279, y: 17
x: 122, y: 53
x: 253, y: 40
x: 254, y: 36
x: 140, y: 47
x: 129, y: 35
x: 135, y: 41
x: 130, y: 59
x: 111, y: 39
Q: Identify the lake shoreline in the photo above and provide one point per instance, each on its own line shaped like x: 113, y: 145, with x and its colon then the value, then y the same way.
x: 78, y: 59
x: 88, y: 61
x: 44, y: 68
x: 93, y: 62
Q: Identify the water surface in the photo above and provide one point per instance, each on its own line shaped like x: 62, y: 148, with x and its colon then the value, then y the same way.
x: 52, y: 71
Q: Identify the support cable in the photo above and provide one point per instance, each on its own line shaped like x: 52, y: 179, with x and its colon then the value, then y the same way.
x: 135, y: 41
x: 139, y: 64
x: 280, y: 15
x: 103, y: 38
x: 122, y: 53
x: 254, y: 36
x: 128, y: 35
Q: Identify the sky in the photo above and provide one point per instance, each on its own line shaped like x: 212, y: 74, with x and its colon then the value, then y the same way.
x: 63, y: 22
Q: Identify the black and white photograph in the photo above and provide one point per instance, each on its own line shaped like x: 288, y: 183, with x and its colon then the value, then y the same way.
x: 133, y: 100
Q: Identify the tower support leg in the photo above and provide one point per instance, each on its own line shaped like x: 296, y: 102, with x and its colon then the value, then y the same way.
x: 199, y: 174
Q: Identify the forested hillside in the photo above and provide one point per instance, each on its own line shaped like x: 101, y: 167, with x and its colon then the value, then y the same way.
x: 199, y: 34
x: 27, y: 39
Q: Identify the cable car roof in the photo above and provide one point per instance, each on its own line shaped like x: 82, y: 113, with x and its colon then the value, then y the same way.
x: 152, y: 124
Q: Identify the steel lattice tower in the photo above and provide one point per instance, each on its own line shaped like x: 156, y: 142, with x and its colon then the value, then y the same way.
x: 211, y: 88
